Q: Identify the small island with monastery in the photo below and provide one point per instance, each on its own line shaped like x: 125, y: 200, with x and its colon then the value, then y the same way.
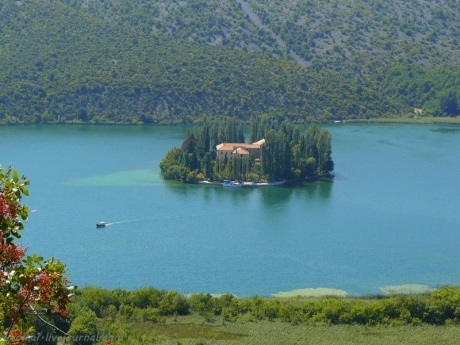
x: 217, y: 153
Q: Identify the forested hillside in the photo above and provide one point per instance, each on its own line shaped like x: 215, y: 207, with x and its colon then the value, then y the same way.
x: 59, y: 64
x: 147, y: 61
x: 327, y: 35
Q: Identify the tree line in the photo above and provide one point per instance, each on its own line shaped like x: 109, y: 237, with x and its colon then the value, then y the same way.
x: 286, y: 154
x: 129, y: 313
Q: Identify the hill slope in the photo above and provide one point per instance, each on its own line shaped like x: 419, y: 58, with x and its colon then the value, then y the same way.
x: 175, y: 61
x: 61, y: 64
x: 325, y: 34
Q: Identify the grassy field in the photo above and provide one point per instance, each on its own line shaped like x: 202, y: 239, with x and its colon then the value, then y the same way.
x: 190, y: 331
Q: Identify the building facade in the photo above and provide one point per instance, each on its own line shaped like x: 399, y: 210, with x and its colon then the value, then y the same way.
x: 226, y: 151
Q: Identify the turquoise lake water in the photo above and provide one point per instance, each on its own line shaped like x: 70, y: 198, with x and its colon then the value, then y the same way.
x: 389, y: 217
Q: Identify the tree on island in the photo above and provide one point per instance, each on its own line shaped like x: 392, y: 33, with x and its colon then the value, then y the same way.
x: 30, y: 287
x: 285, y: 154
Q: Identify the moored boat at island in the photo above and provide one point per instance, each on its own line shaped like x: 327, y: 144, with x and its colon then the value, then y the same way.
x: 231, y: 184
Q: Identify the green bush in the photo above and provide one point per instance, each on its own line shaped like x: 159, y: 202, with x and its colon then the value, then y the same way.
x: 84, y: 327
x: 152, y: 305
x: 174, y: 303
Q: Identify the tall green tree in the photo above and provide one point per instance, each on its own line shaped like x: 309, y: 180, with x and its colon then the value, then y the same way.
x: 324, y: 149
x: 84, y: 327
x: 449, y: 104
x: 311, y: 143
x: 207, y: 165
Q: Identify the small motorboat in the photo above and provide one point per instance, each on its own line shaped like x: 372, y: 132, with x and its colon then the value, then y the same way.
x: 101, y: 225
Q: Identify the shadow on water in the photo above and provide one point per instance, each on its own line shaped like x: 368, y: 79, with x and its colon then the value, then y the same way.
x: 446, y: 130
x: 180, y: 188
x: 273, y: 197
x: 209, y: 192
x: 270, y: 196
x: 320, y: 189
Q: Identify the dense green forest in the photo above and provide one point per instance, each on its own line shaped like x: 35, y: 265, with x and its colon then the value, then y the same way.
x: 285, y: 153
x: 143, y: 316
x: 112, y: 61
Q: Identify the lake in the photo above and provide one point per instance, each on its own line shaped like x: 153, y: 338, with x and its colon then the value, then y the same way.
x: 389, y: 217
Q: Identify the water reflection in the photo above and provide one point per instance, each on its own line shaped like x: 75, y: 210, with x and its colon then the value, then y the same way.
x: 445, y: 130
x: 179, y: 188
x: 321, y: 189
x: 269, y: 196
x: 274, y: 197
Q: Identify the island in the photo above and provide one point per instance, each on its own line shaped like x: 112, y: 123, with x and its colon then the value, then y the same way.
x: 217, y: 153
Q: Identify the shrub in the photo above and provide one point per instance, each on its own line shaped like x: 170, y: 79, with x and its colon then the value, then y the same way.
x: 174, y: 303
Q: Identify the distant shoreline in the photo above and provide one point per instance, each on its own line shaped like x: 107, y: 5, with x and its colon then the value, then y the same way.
x: 411, y: 120
x: 401, y: 120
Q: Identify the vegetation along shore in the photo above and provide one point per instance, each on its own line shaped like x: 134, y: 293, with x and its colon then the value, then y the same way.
x: 148, y: 315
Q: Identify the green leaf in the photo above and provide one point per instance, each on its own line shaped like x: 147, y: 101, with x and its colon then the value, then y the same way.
x: 15, y: 176
x: 24, y: 190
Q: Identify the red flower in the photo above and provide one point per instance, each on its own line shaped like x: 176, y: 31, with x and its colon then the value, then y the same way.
x: 10, y: 254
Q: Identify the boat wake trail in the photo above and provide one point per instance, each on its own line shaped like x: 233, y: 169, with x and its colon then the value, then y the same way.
x: 113, y: 223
